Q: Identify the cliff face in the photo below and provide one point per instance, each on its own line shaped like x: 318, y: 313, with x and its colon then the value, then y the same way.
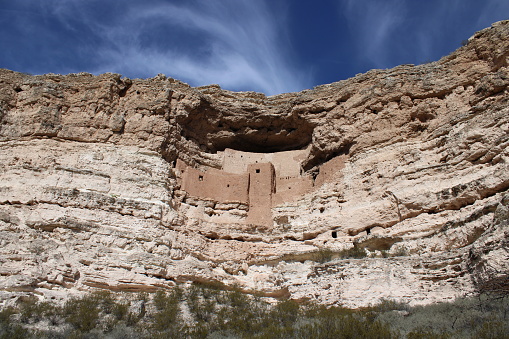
x: 410, y: 164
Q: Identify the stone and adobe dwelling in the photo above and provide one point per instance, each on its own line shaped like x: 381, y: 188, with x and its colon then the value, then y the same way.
x: 249, y: 185
x: 141, y: 184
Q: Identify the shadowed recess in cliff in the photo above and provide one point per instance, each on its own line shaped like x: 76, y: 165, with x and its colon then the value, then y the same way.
x: 250, y: 131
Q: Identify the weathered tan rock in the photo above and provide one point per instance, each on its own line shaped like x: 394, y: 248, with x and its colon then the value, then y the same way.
x: 410, y: 163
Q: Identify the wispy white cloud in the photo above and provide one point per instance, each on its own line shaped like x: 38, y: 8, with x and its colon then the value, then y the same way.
x: 239, y: 43
x: 373, y: 24
x: 497, y: 9
x: 390, y: 32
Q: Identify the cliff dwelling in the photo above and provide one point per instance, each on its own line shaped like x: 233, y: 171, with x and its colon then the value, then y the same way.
x: 248, y: 185
x: 146, y: 184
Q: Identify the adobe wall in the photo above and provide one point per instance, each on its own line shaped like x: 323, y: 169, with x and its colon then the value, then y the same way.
x: 328, y: 170
x: 291, y: 188
x: 216, y: 185
x: 261, y: 188
x: 237, y: 161
x: 180, y: 167
x: 258, y: 180
x: 285, y: 163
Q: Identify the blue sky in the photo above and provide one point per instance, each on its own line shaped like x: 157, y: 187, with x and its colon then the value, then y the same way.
x: 270, y: 46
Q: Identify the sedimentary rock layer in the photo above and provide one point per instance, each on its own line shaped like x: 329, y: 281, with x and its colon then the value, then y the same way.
x: 91, y: 196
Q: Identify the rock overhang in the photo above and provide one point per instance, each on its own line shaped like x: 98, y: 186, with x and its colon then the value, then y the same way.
x: 216, y: 130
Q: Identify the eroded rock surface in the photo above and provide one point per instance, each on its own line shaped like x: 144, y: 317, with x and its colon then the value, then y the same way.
x: 410, y: 164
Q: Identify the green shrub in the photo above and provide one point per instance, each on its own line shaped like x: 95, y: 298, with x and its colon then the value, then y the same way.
x: 13, y: 331
x: 201, y: 304
x: 167, y: 315
x: 29, y: 309
x: 120, y: 311
x: 122, y: 331
x: 8, y: 329
x: 104, y: 300
x: 346, y: 326
x: 422, y: 333
x: 354, y: 252
x: 492, y: 330
x: 323, y: 255
x: 82, y: 313
x: 216, y: 313
x: 286, y: 312
x: 5, y: 315
x: 237, y: 299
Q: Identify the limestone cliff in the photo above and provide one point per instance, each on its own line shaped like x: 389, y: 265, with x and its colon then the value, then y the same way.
x: 409, y: 164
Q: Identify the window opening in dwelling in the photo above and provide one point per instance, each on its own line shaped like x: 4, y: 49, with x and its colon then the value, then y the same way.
x: 200, y: 177
x: 334, y: 234
x: 257, y: 170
